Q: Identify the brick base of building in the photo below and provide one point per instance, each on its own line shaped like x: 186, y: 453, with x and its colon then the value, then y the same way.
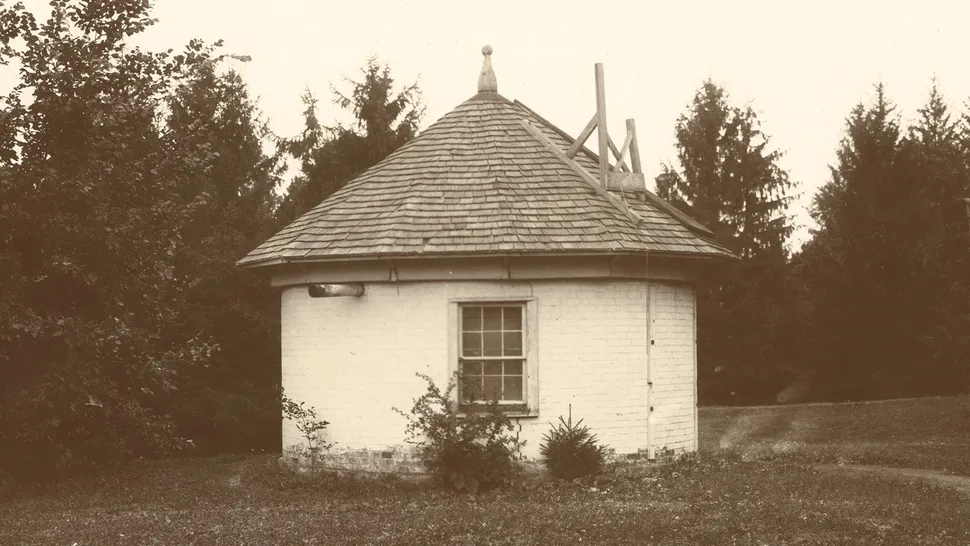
x: 406, y: 462
x: 660, y: 456
x: 401, y: 461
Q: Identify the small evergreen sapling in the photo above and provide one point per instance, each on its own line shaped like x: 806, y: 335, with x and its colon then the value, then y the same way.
x: 571, y: 451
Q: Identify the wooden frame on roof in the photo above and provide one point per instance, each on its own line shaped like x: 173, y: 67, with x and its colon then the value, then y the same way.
x: 588, y: 178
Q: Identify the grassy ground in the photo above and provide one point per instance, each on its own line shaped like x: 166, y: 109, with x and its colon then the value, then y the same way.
x: 929, y: 433
x: 729, y: 497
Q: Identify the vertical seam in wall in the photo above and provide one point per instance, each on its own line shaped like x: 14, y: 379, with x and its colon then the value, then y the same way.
x: 282, y: 375
x: 534, y: 363
x: 453, y: 316
x: 694, y: 349
x: 649, y: 341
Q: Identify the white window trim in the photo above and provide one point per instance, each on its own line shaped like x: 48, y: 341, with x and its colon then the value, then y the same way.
x: 530, y: 344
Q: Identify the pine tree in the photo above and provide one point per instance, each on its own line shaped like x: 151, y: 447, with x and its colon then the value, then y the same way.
x: 941, y: 259
x: 332, y: 156
x: 731, y: 182
x: 861, y: 265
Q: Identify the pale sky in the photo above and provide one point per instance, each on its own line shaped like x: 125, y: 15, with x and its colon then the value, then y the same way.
x: 801, y: 65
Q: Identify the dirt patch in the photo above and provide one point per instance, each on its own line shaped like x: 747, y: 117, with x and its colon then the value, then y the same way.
x: 960, y: 483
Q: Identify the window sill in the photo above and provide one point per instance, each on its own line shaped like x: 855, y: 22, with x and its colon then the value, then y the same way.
x: 510, y: 415
x: 517, y: 411
x: 522, y: 414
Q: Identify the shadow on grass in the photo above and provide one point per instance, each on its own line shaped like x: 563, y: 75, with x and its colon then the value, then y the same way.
x: 932, y: 433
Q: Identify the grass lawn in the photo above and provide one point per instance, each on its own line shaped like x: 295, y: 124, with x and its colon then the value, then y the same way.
x: 928, y: 433
x: 723, y: 499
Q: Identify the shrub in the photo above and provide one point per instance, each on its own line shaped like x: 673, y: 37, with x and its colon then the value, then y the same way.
x: 310, y: 427
x: 466, y: 452
x: 571, y: 451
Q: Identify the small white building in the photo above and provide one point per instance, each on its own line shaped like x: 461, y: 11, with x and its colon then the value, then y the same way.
x: 489, y: 244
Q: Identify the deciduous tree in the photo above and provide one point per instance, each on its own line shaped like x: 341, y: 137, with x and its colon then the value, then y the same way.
x: 231, y: 403
x: 91, y: 223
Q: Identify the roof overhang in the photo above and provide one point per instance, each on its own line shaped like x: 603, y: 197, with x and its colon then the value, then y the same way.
x: 677, y: 268
x: 716, y: 258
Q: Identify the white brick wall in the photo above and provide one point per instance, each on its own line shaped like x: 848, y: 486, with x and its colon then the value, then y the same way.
x: 674, y: 370
x: 354, y: 358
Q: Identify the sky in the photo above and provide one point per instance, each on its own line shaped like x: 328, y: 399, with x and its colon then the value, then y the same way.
x: 801, y: 65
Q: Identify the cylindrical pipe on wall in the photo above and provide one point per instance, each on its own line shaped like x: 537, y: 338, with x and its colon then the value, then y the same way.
x: 335, y: 290
x: 651, y: 455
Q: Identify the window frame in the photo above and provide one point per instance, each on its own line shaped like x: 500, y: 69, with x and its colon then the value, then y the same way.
x: 483, y: 358
x: 529, y: 406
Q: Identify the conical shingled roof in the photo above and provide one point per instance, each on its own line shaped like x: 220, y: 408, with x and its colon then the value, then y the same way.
x: 477, y: 182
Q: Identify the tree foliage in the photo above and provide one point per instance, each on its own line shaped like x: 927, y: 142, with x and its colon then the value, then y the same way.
x: 231, y: 401
x: 332, y: 156
x: 731, y: 182
x: 571, y: 451
x: 887, y: 264
x: 130, y: 182
x: 92, y: 225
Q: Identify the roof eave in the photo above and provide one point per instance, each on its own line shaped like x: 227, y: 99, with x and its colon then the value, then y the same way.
x: 465, y: 255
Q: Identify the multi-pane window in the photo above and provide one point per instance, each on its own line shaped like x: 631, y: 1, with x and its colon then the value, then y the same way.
x: 491, y: 356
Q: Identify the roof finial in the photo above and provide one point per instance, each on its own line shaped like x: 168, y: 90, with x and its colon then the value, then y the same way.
x: 486, y: 80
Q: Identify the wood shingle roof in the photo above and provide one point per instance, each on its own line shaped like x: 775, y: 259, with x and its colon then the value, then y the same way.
x: 478, y: 182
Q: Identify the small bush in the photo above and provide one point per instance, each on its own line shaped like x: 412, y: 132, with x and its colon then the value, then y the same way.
x: 466, y: 452
x: 310, y: 427
x: 571, y: 451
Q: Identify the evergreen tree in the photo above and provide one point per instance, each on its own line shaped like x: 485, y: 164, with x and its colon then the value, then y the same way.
x: 941, y: 259
x: 863, y: 264
x: 332, y: 156
x: 731, y: 182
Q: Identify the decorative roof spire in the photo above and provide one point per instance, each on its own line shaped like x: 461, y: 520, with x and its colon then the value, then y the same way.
x: 486, y: 80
